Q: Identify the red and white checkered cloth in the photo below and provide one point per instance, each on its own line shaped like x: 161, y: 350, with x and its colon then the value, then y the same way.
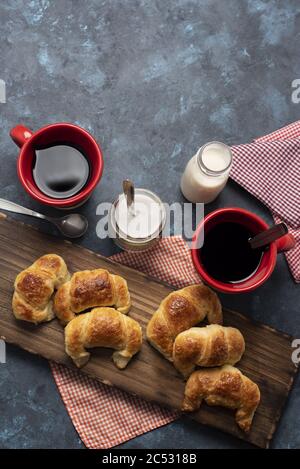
x: 269, y: 168
x: 104, y: 416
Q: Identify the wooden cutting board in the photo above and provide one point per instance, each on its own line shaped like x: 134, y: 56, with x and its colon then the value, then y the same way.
x: 267, y: 359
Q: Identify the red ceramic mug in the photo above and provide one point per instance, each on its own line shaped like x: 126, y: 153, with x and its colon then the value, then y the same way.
x: 28, y: 141
x: 254, y: 224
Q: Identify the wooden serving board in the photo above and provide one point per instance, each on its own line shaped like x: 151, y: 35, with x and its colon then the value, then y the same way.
x: 267, y: 359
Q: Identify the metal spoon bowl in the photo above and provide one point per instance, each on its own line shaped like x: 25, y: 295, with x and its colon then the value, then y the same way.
x: 73, y: 225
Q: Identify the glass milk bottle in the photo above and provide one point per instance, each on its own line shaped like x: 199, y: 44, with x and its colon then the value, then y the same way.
x: 141, y: 227
x: 206, y: 174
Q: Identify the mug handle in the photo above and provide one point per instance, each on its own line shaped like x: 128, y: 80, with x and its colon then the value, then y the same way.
x: 20, y: 134
x: 285, y: 243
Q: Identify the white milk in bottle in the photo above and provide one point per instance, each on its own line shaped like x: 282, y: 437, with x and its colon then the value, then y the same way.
x: 206, y: 173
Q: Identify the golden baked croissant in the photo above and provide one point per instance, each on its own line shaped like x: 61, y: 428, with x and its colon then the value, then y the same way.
x: 179, y: 311
x: 208, y: 346
x: 90, y: 288
x: 226, y: 387
x: 34, y: 287
x: 103, y: 327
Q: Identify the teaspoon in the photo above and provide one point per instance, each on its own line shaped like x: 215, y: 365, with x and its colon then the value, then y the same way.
x: 266, y: 237
x: 128, y: 189
x: 73, y: 225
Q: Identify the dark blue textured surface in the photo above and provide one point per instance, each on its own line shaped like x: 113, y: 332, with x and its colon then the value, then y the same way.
x: 152, y: 80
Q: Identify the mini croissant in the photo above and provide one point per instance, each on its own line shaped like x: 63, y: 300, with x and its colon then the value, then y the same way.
x: 226, y: 387
x: 103, y: 327
x: 179, y: 311
x: 34, y: 287
x: 90, y: 288
x: 208, y: 346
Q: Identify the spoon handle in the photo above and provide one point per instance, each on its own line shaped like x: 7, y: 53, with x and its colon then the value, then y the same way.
x: 268, y: 236
x: 12, y: 207
x: 128, y: 189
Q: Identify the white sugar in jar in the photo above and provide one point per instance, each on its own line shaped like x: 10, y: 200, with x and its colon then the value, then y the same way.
x: 140, y: 227
x: 206, y: 174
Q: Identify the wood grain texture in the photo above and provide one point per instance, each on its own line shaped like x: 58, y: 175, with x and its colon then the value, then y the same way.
x: 267, y: 359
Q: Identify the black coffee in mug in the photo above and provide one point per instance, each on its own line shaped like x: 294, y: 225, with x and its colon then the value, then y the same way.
x: 60, y: 170
x: 226, y: 253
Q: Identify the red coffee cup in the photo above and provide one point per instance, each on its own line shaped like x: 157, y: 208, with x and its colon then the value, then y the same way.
x: 28, y: 141
x: 254, y: 224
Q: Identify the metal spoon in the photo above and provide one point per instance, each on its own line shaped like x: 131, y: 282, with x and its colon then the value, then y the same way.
x: 266, y: 237
x: 128, y: 189
x: 73, y: 225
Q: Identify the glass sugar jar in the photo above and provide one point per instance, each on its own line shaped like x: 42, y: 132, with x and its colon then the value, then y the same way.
x: 141, y: 227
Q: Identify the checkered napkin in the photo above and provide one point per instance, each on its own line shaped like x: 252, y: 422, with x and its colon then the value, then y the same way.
x: 105, y: 416
x: 269, y: 168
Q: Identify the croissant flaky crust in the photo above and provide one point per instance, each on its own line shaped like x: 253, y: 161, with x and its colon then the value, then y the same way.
x: 103, y: 327
x: 226, y: 387
x: 208, y: 346
x: 34, y: 287
x: 90, y: 288
x: 179, y: 311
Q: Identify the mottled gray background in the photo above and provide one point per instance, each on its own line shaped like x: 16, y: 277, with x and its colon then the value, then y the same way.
x: 152, y: 80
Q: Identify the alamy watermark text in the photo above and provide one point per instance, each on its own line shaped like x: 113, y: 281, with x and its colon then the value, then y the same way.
x: 2, y: 351
x: 2, y: 91
x: 296, y: 352
x: 296, y: 91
